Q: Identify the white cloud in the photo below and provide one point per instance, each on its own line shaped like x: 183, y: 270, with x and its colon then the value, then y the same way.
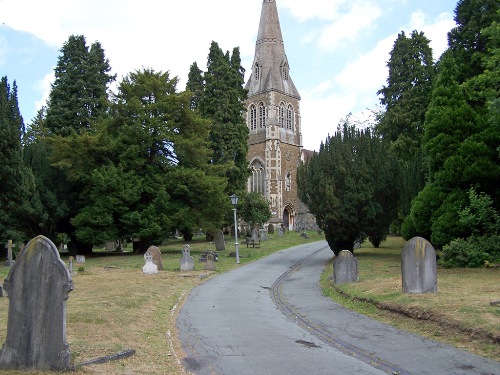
x: 43, y: 88
x: 163, y: 35
x: 360, y: 17
x: 313, y: 9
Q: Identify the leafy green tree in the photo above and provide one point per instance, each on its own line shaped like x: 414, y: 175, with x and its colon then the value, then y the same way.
x: 222, y: 102
x: 17, y: 186
x: 254, y: 209
x: 146, y: 166
x: 79, y: 93
x: 349, y: 187
x: 467, y: 42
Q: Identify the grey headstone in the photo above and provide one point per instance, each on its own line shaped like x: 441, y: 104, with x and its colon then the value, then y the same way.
x: 70, y: 266
x: 418, y: 266
x: 149, y: 267
x: 9, y: 262
x: 219, y: 241
x: 110, y: 245
x: 280, y: 232
x: 209, y: 264
x: 357, y: 245
x: 270, y: 229
x: 255, y: 235
x: 187, y: 261
x: 38, y: 285
x: 156, y: 254
x: 345, y: 268
x: 80, y: 259
x: 263, y: 235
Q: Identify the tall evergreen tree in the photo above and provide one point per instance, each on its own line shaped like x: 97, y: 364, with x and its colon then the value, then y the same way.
x: 222, y: 102
x: 17, y: 186
x: 79, y: 93
x: 349, y: 187
x: 195, y: 84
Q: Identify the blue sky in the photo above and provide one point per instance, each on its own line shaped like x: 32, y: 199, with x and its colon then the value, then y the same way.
x: 337, y: 49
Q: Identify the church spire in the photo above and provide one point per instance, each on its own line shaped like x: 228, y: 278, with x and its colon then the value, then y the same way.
x: 270, y: 70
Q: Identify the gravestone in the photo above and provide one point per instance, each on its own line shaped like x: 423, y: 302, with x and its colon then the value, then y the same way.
x: 38, y: 285
x: 80, y: 259
x: 149, y: 267
x: 255, y: 235
x: 209, y: 264
x: 270, y: 229
x: 110, y: 245
x: 187, y: 261
x: 219, y: 241
x: 9, y: 262
x: 156, y: 256
x: 345, y: 268
x: 263, y: 235
x: 70, y: 266
x: 280, y: 232
x: 418, y: 266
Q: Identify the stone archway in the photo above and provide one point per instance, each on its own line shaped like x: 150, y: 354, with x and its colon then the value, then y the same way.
x: 288, y: 217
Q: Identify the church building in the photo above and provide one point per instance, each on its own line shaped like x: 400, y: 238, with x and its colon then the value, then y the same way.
x: 273, y: 119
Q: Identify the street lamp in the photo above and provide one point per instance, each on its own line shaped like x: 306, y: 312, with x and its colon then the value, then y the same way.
x: 234, y: 201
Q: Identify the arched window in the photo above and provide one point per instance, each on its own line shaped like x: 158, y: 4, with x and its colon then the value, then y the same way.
x: 284, y: 71
x: 282, y: 115
x: 289, y: 118
x: 253, y: 117
x: 258, y: 178
x: 262, y: 115
x: 256, y: 71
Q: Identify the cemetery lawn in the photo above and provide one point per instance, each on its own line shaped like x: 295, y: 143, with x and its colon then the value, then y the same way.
x: 115, y: 307
x: 460, y: 314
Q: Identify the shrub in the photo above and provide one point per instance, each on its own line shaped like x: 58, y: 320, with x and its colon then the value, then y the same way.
x: 473, y: 252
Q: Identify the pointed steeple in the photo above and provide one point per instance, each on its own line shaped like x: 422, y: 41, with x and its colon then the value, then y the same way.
x: 270, y: 70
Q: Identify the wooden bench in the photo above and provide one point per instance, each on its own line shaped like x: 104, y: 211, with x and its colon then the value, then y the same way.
x: 252, y: 242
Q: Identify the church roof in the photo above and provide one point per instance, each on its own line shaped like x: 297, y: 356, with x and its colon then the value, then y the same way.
x: 270, y: 70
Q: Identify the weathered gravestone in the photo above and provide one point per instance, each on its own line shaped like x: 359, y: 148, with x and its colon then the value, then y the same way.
x: 219, y: 241
x: 263, y: 235
x: 9, y: 262
x: 187, y: 261
x: 70, y: 266
x: 345, y: 268
x: 149, y: 267
x: 80, y: 259
x: 418, y: 266
x: 156, y: 256
x: 38, y: 285
x: 270, y: 229
x: 209, y: 264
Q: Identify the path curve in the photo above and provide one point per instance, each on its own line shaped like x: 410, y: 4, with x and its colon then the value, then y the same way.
x: 269, y: 317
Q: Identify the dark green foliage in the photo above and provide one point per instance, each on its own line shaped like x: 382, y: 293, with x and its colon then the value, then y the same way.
x: 407, y: 94
x: 222, y: 102
x: 195, y: 84
x: 145, y: 167
x: 254, y: 209
x: 349, y: 187
x: 467, y: 41
x: 17, y: 184
x: 79, y: 94
x: 473, y: 252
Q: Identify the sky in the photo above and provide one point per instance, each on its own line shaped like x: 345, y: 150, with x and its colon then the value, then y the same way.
x: 337, y: 49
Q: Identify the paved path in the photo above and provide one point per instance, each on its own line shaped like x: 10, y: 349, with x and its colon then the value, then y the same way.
x: 269, y: 317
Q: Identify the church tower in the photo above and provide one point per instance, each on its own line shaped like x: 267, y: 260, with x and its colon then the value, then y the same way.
x: 273, y: 120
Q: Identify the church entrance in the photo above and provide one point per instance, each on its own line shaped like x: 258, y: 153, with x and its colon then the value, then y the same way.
x: 288, y: 218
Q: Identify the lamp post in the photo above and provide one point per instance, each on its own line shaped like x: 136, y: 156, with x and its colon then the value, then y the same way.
x: 234, y: 201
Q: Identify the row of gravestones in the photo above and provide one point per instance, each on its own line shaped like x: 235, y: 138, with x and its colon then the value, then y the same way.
x: 153, y: 263
x: 418, y: 267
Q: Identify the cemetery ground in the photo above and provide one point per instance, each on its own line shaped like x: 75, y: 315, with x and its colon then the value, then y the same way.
x: 115, y: 307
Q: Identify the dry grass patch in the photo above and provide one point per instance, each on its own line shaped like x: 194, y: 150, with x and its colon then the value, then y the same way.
x: 459, y: 314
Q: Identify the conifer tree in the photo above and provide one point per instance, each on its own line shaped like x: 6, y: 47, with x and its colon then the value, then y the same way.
x: 222, y: 102
x: 79, y: 93
x: 195, y: 84
x: 17, y: 186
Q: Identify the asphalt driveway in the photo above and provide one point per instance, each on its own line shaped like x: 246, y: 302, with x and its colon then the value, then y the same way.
x: 270, y: 317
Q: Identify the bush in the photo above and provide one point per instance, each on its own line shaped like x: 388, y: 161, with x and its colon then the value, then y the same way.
x: 473, y: 252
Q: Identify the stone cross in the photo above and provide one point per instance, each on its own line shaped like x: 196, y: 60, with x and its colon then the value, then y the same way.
x: 38, y: 285
x: 345, y: 268
x: 70, y: 266
x: 187, y: 261
x: 418, y: 266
